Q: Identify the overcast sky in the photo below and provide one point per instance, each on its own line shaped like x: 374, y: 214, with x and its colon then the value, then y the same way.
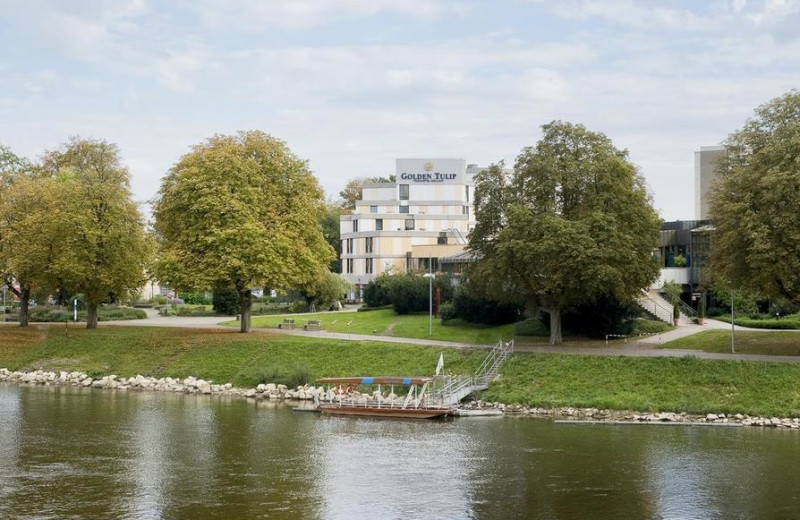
x: 353, y: 84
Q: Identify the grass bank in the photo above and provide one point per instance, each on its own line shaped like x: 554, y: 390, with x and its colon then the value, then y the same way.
x: 385, y: 322
x: 651, y: 384
x: 774, y: 343
x: 791, y: 322
x: 646, y: 384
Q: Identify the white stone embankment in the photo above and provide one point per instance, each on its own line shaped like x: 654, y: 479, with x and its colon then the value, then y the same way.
x: 192, y: 385
x: 189, y: 385
x: 617, y: 416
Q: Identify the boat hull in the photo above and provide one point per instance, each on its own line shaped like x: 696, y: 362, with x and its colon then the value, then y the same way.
x: 400, y: 413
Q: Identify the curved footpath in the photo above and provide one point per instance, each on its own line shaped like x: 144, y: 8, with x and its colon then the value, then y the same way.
x: 644, y: 347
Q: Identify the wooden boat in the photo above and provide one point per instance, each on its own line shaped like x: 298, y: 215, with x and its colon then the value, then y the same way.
x: 417, y: 404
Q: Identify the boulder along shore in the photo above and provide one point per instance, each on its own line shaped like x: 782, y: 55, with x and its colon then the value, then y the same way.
x: 193, y: 385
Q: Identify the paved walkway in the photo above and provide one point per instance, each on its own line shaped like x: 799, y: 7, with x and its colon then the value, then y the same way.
x: 645, y: 347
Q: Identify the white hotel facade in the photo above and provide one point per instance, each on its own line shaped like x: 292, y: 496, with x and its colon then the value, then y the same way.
x: 407, y: 225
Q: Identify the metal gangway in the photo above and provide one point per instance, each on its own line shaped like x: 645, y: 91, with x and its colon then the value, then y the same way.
x: 451, y: 390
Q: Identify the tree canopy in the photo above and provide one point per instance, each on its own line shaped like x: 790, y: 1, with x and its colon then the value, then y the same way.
x: 572, y: 224
x: 754, y: 202
x: 69, y: 223
x: 104, y: 248
x: 240, y: 212
x: 352, y: 191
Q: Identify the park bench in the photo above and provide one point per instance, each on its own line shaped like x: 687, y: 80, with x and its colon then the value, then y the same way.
x: 313, y: 325
x: 287, y: 324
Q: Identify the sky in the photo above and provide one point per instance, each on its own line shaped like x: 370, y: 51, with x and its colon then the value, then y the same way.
x: 350, y: 85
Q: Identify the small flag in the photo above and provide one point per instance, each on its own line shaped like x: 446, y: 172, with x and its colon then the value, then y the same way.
x: 440, y: 364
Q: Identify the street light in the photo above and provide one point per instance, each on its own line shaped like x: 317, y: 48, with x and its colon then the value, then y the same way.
x: 733, y: 329
x: 430, y: 277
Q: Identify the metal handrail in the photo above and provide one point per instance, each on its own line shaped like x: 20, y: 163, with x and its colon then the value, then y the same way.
x: 656, y: 305
x: 682, y: 305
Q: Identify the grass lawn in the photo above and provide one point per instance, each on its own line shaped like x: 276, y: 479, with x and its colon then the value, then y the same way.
x: 222, y: 356
x: 385, y: 322
x: 647, y: 384
x: 650, y: 384
x: 773, y: 343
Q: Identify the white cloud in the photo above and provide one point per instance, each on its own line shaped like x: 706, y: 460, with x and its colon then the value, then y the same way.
x: 261, y: 16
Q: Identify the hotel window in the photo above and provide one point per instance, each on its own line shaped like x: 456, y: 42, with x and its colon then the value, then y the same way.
x: 369, y: 266
x: 349, y: 246
x: 373, y: 209
x: 466, y: 210
x: 368, y: 241
x: 378, y: 224
x: 350, y: 266
x: 403, y: 209
x: 355, y: 226
x: 466, y: 192
x: 404, y: 192
x: 409, y: 224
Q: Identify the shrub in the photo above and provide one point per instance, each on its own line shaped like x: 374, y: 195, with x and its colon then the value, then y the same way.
x: 409, y: 293
x: 297, y: 306
x: 531, y: 327
x: 606, y: 315
x: 377, y: 291
x: 226, y: 301
x: 298, y: 375
x: 447, y: 312
x: 193, y: 310
x: 645, y: 326
x: 470, y: 307
x: 196, y: 298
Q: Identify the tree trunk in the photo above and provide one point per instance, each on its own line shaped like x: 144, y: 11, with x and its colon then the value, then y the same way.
x: 24, y: 311
x: 91, y: 315
x: 555, y: 325
x: 246, y: 304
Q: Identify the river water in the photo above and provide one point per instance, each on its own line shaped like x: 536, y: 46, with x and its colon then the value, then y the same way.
x: 80, y: 453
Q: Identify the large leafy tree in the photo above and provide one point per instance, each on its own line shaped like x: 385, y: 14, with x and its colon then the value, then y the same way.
x: 240, y: 212
x: 352, y: 191
x: 31, y: 211
x: 754, y: 202
x: 21, y: 203
x: 104, y: 249
x: 329, y: 220
x: 573, y: 223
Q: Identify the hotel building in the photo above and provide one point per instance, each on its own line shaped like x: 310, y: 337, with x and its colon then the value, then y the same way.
x: 407, y: 225
x: 705, y: 171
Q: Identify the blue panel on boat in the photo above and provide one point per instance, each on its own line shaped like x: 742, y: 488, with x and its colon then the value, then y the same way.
x: 366, y: 380
x: 407, y: 381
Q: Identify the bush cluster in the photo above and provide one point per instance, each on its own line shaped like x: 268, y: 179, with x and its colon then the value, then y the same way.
x: 47, y: 314
x: 225, y: 301
x: 475, y: 309
x: 407, y: 293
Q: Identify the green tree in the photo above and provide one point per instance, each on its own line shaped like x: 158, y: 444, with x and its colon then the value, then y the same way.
x: 574, y: 222
x: 325, y: 291
x: 104, y: 247
x: 352, y: 191
x: 30, y: 212
x: 754, y: 202
x: 240, y: 212
x: 329, y: 222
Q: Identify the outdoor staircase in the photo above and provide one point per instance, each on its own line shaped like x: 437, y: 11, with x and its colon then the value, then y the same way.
x: 653, y: 303
x: 456, y: 388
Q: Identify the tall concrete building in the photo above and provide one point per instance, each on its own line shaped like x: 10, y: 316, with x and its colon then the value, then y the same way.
x: 407, y: 225
x: 705, y: 164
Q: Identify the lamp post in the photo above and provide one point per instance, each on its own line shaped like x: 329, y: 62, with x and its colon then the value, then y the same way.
x: 430, y: 277
x: 733, y: 327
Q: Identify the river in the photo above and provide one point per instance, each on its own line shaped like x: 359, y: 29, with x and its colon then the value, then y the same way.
x: 80, y: 453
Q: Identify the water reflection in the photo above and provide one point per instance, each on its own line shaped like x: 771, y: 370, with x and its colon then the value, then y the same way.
x: 78, y: 453
x: 397, y: 469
